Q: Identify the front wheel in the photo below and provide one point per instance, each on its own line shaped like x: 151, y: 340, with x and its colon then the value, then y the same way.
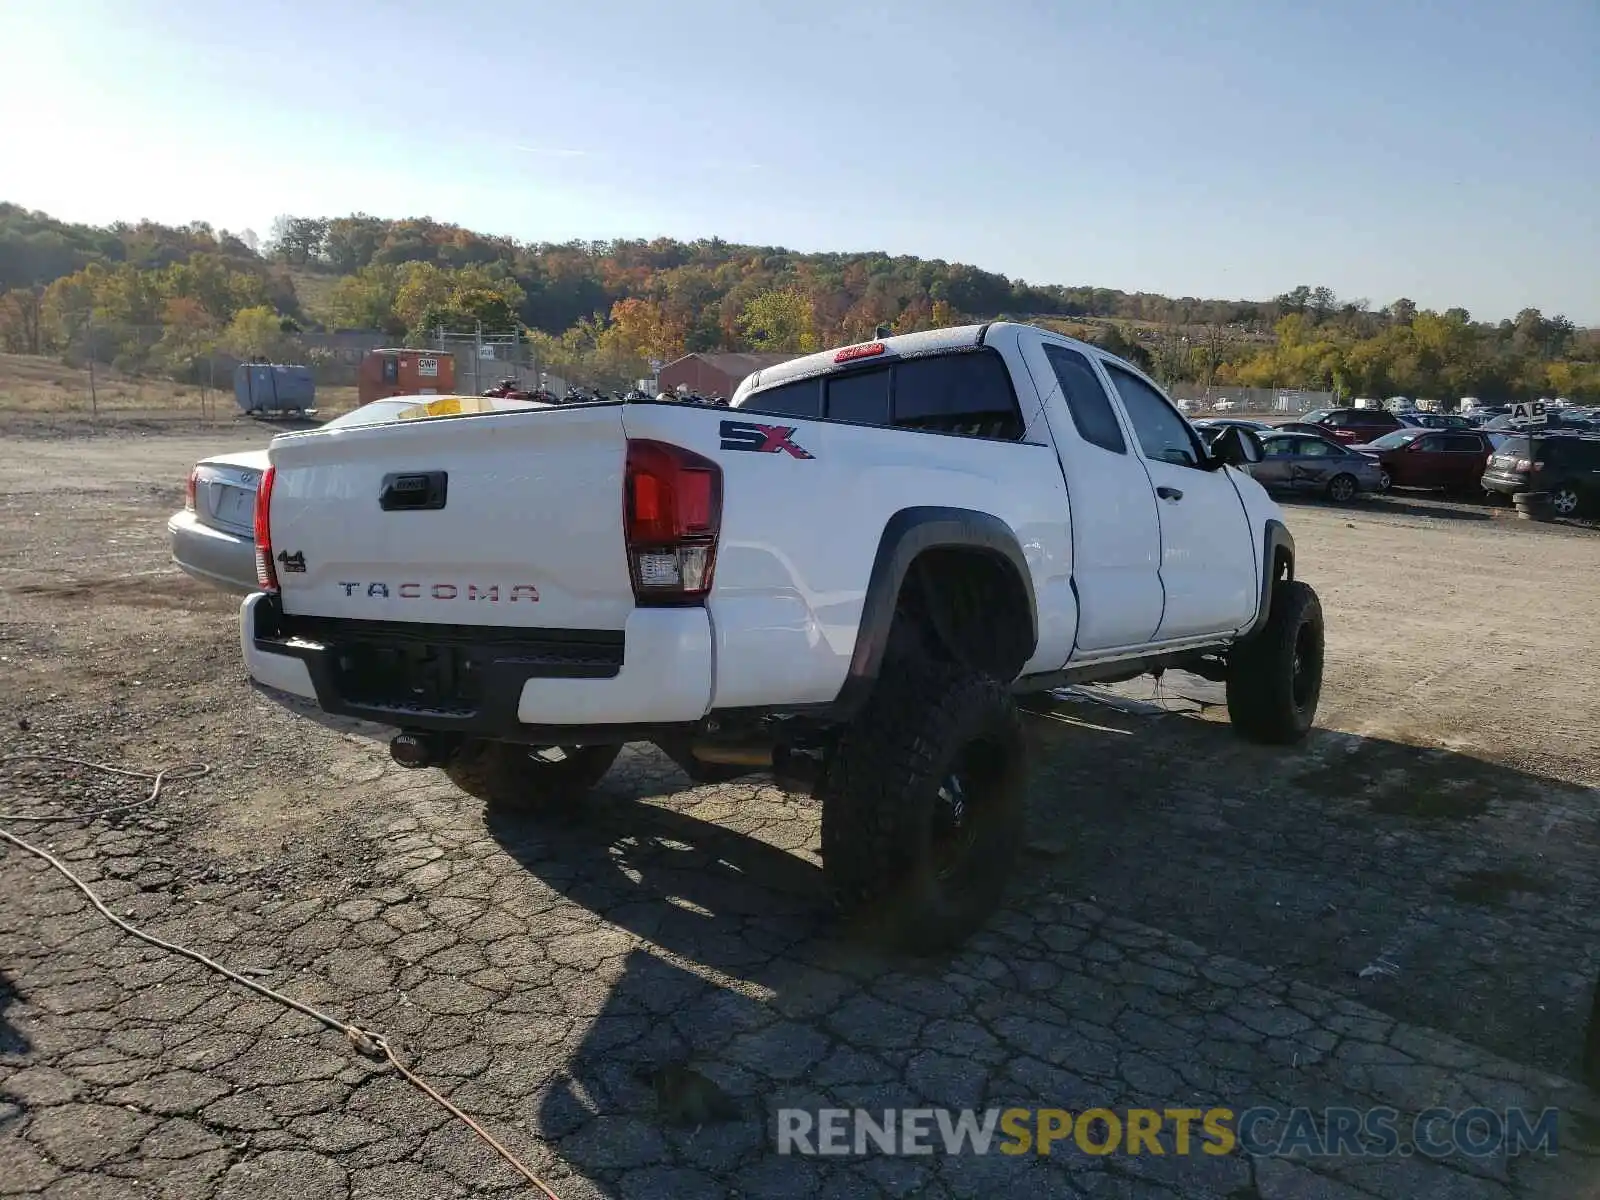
x: 1342, y: 489
x: 516, y: 778
x: 1564, y: 500
x: 1275, y: 676
x: 922, y: 806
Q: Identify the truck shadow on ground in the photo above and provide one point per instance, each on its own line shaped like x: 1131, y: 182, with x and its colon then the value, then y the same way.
x: 14, y: 1045
x: 1446, y: 891
x: 1422, y: 504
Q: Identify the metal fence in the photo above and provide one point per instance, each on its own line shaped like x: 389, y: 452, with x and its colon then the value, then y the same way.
x: 484, y: 359
x: 97, y: 368
x: 1250, y: 400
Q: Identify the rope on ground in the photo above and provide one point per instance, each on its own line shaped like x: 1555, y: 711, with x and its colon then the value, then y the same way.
x: 157, y: 779
x: 372, y: 1045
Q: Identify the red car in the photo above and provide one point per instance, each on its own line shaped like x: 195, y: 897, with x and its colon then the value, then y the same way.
x: 1452, y: 459
x: 1354, y: 425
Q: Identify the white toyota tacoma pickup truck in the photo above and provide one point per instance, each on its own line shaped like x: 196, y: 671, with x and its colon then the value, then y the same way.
x: 844, y: 578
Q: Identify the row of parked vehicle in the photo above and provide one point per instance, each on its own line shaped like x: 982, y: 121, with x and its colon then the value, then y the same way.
x: 1343, y: 453
x: 510, y: 389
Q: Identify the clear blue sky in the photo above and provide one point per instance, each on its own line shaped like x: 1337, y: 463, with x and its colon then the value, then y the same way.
x: 1449, y: 152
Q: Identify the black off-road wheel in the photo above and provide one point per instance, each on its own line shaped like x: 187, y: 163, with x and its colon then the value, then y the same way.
x: 922, y: 806
x: 528, y: 779
x: 1275, y: 677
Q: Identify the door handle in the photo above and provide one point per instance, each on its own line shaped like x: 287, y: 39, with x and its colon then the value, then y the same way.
x: 1169, y: 493
x: 422, y: 492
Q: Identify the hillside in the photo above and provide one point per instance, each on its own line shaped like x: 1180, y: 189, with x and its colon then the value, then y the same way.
x: 159, y: 299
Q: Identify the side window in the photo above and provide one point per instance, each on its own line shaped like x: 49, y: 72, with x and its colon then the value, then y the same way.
x: 968, y: 393
x: 1337, y: 420
x: 1280, y: 447
x: 1163, y: 435
x: 1433, y: 443
x: 1316, y: 448
x: 862, y: 397
x: 802, y: 398
x: 1458, y: 443
x: 1086, y: 399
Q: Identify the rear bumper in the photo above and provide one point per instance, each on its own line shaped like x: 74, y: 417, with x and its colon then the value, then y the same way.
x: 214, y: 556
x: 496, y: 683
x: 1505, y: 484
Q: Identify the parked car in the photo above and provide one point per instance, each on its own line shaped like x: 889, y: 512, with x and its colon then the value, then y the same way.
x: 844, y: 578
x: 1431, y: 458
x: 1438, y: 420
x: 1354, y: 425
x: 1301, y: 462
x: 1300, y: 427
x: 213, y: 535
x: 1564, y: 465
x: 1235, y: 422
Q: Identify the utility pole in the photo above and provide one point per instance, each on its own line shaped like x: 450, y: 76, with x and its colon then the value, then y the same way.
x: 94, y: 395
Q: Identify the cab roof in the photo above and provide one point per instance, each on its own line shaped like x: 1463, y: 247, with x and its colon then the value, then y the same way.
x: 902, y: 345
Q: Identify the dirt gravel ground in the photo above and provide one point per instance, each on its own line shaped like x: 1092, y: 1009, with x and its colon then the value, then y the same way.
x: 1403, y: 911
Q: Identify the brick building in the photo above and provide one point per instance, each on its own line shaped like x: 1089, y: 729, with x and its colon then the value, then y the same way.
x: 715, y: 374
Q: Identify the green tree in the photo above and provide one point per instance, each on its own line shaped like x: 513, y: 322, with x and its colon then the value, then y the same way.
x: 22, y: 320
x: 254, y: 332
x: 781, y: 321
x: 365, y: 300
x: 297, y: 240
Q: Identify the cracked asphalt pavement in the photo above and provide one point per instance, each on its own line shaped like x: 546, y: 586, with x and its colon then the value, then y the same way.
x: 1402, y: 912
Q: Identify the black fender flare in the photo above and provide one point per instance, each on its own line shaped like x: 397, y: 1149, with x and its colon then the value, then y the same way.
x: 906, y: 534
x: 1276, y: 541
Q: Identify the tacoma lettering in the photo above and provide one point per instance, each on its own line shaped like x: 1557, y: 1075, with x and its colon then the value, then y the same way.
x: 491, y: 592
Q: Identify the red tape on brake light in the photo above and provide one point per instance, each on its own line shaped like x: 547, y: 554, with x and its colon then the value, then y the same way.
x: 851, y: 353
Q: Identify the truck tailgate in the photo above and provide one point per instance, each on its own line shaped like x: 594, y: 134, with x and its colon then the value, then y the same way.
x: 506, y: 519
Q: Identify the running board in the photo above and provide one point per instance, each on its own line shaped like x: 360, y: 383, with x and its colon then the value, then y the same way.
x: 1117, y: 670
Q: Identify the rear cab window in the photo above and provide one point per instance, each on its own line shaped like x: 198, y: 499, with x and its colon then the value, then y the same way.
x: 1087, y: 402
x: 963, y: 392
x: 802, y: 398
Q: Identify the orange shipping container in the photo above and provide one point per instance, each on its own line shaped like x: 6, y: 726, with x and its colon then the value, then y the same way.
x: 386, y: 373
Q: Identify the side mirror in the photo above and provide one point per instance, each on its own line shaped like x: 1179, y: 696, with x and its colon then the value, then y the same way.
x: 1236, y: 447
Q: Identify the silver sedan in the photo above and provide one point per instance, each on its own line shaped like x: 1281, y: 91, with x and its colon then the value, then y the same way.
x: 1304, y: 463
x: 213, y: 536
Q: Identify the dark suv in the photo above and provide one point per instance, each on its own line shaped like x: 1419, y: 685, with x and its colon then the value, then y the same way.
x: 1354, y: 426
x: 1566, y: 466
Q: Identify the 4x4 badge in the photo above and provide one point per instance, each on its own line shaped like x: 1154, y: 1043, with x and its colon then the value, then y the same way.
x: 292, y: 564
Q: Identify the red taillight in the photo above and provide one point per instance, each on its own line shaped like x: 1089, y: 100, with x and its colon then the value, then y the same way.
x: 1523, y: 466
x: 851, y: 353
x: 266, y: 573
x: 189, y: 489
x: 672, y: 514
